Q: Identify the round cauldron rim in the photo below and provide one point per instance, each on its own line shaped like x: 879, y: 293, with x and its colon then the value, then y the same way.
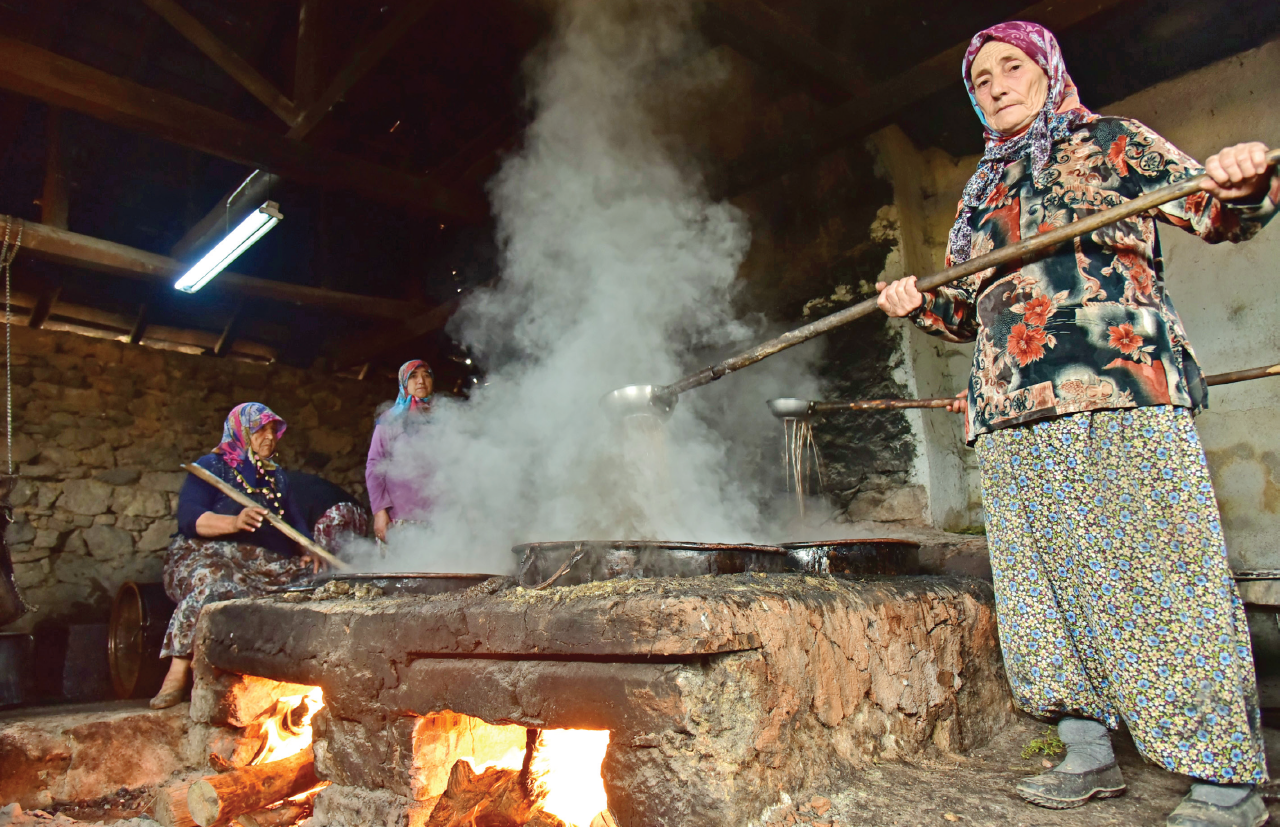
x: 677, y: 545
x: 847, y: 541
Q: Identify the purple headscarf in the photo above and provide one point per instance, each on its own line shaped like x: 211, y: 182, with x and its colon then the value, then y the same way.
x: 1041, y: 46
x: 245, y: 419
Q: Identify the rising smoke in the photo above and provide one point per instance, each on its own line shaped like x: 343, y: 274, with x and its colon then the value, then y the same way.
x: 616, y: 268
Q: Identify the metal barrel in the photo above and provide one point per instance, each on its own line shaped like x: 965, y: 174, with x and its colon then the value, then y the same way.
x: 139, y: 618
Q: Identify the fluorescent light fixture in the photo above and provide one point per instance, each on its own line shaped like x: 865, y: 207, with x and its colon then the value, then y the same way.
x: 254, y: 226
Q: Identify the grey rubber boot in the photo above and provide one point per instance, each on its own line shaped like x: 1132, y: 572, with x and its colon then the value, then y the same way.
x: 1088, y: 771
x: 1220, y: 805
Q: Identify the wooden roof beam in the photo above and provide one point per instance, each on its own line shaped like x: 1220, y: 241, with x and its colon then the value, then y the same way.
x: 863, y: 114
x: 108, y: 257
x: 364, y: 348
x: 237, y: 67
x: 63, y: 82
x: 366, y: 55
x: 363, y: 58
x: 764, y: 35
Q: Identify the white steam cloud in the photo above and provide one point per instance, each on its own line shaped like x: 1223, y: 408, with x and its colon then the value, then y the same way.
x: 617, y: 269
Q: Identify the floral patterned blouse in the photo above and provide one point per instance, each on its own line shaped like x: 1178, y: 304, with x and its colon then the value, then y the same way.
x: 1087, y: 325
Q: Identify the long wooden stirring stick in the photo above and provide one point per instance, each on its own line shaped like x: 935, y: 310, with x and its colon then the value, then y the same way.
x: 942, y: 402
x: 1004, y: 255
x: 285, y: 529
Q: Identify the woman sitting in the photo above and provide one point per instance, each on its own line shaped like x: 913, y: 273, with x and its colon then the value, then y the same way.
x: 394, y: 495
x: 222, y: 550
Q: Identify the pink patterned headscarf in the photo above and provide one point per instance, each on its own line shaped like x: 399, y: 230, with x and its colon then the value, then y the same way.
x: 245, y: 419
x: 1050, y: 125
x: 405, y: 401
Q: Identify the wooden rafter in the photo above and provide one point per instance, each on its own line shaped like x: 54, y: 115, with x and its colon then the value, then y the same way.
x: 364, y: 57
x: 103, y: 324
x: 362, y: 349
x: 777, y: 40
x: 63, y: 82
x: 226, y: 58
x: 108, y: 257
x: 863, y: 114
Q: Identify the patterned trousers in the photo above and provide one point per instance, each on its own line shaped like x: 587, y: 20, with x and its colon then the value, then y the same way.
x: 338, y: 525
x: 197, y: 572
x: 1113, y: 594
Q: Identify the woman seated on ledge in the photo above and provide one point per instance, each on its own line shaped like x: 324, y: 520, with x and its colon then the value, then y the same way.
x: 222, y: 550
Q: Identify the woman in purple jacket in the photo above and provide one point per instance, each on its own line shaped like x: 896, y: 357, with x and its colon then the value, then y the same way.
x: 395, y: 496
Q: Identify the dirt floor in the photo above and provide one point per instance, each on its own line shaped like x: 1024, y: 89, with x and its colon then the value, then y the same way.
x: 977, y: 789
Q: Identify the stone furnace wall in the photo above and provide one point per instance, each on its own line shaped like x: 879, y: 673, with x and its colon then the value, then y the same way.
x: 100, y: 429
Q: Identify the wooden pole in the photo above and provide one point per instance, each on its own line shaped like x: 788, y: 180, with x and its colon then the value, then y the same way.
x: 1022, y: 250
x: 285, y: 529
x: 1242, y: 375
x: 942, y: 402
x: 215, y: 799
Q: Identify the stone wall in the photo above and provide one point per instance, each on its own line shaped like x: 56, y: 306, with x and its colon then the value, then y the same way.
x: 100, y: 429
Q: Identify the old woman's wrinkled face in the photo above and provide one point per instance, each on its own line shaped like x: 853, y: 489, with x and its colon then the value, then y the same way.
x: 420, y: 383
x: 1009, y: 86
x: 263, y: 441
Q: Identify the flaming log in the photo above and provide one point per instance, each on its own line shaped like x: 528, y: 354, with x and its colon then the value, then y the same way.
x: 493, y: 798
x: 284, y: 815
x: 218, y: 798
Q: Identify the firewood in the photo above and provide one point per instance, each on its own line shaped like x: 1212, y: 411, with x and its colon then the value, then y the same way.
x: 217, y: 798
x: 493, y: 798
x: 171, y: 805
x: 285, y: 815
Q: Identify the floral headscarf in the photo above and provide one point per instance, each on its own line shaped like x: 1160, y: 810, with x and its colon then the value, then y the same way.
x: 1050, y: 125
x: 404, y: 402
x: 246, y: 419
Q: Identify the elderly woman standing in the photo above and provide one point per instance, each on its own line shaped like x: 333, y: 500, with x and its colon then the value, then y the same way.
x: 223, y: 550
x: 1114, y: 599
x: 396, y: 495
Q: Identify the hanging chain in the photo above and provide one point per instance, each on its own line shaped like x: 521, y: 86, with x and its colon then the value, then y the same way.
x: 7, y: 255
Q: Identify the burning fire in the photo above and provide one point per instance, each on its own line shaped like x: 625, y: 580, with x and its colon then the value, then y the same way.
x: 566, y: 769
x: 287, y: 731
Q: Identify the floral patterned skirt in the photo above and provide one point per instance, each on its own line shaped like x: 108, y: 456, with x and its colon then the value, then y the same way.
x: 337, y: 525
x: 201, y: 571
x: 1113, y: 594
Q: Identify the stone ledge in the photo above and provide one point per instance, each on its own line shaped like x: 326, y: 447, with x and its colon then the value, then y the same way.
x: 73, y: 754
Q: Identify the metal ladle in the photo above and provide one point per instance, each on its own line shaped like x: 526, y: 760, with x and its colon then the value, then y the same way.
x: 659, y: 400
x: 788, y: 407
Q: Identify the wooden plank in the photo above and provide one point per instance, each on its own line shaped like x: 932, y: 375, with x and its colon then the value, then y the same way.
x: 108, y: 257
x: 53, y: 200
x: 62, y: 82
x: 863, y: 114
x: 226, y: 58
